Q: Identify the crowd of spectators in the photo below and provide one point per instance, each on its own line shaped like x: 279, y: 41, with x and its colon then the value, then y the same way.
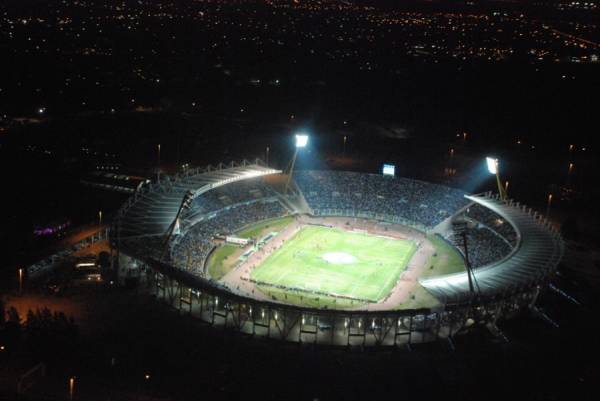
x: 485, y: 246
x: 415, y: 201
x: 196, y: 243
x: 493, y: 221
x: 226, y: 209
x: 227, y: 195
x: 489, y: 237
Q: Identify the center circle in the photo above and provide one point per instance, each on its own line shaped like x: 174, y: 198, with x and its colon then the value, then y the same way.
x: 339, y: 258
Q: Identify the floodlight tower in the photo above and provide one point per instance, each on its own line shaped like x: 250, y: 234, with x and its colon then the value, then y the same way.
x: 301, y: 142
x: 493, y: 168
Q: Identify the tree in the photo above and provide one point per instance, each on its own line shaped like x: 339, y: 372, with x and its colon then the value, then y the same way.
x: 12, y: 327
x: 13, y: 316
x: 32, y: 322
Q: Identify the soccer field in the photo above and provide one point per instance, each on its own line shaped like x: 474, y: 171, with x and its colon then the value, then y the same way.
x: 337, y: 262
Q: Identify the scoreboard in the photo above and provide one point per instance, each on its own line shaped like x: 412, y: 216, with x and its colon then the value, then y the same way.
x: 389, y: 169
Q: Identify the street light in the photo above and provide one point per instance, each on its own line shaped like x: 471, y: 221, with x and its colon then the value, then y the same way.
x: 548, y: 205
x: 99, y: 217
x: 20, y: 280
x: 569, y: 173
x: 71, y: 387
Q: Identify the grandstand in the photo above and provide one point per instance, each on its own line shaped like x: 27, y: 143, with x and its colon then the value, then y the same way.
x: 538, y: 249
x: 154, y: 207
x: 178, y: 226
x: 412, y: 202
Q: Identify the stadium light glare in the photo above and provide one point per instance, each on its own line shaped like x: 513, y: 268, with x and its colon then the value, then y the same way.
x: 492, y: 165
x: 301, y: 140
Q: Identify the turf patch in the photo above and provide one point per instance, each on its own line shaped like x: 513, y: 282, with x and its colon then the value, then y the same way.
x: 323, y: 260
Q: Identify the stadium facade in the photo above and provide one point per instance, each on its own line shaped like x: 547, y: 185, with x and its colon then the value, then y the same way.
x: 150, y: 234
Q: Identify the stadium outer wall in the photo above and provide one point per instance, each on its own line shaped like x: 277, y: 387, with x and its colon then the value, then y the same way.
x: 215, y: 305
x: 198, y: 298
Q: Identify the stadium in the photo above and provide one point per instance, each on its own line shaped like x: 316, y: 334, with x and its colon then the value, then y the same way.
x: 333, y: 257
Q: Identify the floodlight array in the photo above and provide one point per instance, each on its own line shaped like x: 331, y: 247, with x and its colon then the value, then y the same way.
x: 301, y: 140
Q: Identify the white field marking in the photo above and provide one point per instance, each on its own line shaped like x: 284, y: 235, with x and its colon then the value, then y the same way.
x: 393, y: 275
x: 386, y: 237
x: 339, y: 258
x: 362, y: 281
x: 283, y: 275
x: 353, y: 291
x: 318, y: 284
x: 379, y: 296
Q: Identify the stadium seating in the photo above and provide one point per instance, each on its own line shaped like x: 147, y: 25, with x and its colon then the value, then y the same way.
x: 227, y: 195
x: 485, y: 246
x: 191, y: 250
x: 538, y: 249
x: 154, y: 206
x: 489, y: 237
x: 416, y: 202
x: 493, y: 221
x: 226, y: 209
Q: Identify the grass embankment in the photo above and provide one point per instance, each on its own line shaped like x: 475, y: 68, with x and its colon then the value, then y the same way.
x: 222, y: 260
x: 445, y: 260
x: 225, y: 257
x: 261, y: 229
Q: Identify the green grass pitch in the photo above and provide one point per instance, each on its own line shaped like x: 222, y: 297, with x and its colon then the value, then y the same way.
x: 337, y: 262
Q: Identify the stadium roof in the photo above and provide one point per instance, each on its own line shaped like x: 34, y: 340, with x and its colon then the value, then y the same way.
x: 537, y: 253
x: 153, y: 208
x: 113, y: 182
